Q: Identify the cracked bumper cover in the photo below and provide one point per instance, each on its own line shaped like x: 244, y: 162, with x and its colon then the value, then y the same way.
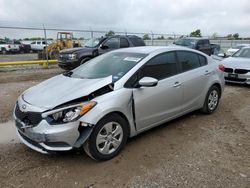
x: 46, y: 138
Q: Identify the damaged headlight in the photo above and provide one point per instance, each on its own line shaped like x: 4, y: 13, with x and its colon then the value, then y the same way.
x: 72, y: 56
x: 69, y: 113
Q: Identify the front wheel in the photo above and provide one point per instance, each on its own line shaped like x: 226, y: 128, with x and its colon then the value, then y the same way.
x: 108, y: 138
x: 84, y: 60
x: 212, y: 100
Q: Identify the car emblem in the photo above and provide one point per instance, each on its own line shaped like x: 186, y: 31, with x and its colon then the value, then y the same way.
x: 23, y: 106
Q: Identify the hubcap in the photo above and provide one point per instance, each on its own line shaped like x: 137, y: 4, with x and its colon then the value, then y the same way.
x: 213, y: 100
x: 109, y: 138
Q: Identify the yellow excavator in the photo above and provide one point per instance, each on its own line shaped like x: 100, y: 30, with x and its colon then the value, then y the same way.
x: 64, y: 41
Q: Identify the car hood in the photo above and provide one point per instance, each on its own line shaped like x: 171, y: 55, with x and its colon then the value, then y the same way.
x: 61, y: 89
x: 73, y: 50
x: 237, y: 62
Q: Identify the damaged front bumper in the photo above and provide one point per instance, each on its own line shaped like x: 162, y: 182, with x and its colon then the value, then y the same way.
x: 46, y: 138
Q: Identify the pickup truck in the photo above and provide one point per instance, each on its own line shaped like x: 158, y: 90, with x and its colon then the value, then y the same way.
x: 8, y: 47
x: 198, y: 43
x: 73, y: 57
x: 38, y: 45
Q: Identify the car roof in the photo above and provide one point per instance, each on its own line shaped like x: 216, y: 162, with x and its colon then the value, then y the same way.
x: 152, y: 49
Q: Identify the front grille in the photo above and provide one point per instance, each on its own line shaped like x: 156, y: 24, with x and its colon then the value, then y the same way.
x: 241, y: 71
x: 230, y: 70
x: 235, y: 79
x: 29, y: 118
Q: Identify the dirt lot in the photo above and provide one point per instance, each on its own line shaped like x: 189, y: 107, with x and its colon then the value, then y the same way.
x: 193, y: 151
x: 18, y: 57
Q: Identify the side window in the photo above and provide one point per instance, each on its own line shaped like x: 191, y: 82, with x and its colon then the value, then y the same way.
x: 124, y: 43
x: 203, y: 60
x: 160, y: 67
x: 33, y: 43
x: 188, y: 60
x: 44, y: 42
x: 200, y: 43
x: 206, y: 43
x: 112, y: 43
x: 38, y: 43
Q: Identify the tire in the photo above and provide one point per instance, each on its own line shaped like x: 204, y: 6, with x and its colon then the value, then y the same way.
x: 108, y: 138
x: 4, y: 51
x: 84, y: 60
x: 212, y: 100
x: 53, y: 54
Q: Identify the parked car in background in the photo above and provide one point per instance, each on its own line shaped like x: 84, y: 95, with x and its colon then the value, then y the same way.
x: 237, y: 67
x: 198, y: 43
x: 38, y: 45
x: 232, y: 50
x: 8, y: 47
x: 23, y: 48
x: 100, y: 104
x: 72, y: 58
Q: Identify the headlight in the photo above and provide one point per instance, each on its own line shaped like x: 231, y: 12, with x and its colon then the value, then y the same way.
x: 72, y: 56
x: 69, y: 113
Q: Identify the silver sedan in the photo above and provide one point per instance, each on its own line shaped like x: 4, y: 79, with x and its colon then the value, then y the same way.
x: 118, y: 95
x: 237, y: 67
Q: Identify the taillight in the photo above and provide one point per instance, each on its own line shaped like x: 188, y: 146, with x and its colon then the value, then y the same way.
x: 222, y: 67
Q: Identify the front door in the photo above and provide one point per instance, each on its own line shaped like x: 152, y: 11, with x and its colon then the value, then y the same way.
x: 154, y: 105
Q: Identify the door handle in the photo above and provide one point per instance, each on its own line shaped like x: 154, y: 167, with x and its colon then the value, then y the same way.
x: 177, y: 84
x: 207, y: 73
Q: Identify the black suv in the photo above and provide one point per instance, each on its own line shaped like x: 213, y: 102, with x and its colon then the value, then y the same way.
x: 73, y: 57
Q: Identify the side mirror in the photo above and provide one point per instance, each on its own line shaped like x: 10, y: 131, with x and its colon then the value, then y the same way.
x: 104, y: 47
x: 148, y: 82
x: 222, y: 55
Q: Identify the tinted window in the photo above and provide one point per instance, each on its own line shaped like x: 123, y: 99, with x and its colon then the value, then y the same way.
x: 203, y: 60
x: 136, y: 41
x: 160, y: 67
x: 44, y: 43
x: 112, y: 43
x: 188, y: 60
x: 33, y: 43
x: 124, y: 43
x: 38, y: 43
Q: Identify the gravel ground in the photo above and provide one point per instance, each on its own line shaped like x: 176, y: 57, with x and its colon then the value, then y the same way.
x: 18, y: 57
x: 196, y: 150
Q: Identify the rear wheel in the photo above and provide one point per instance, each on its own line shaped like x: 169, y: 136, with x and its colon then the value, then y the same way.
x: 212, y: 100
x: 4, y: 51
x: 108, y: 138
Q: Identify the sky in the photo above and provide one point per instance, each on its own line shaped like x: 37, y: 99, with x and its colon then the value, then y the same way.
x: 159, y: 16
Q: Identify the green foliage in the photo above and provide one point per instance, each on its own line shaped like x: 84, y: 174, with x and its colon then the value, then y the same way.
x: 196, y: 33
x: 110, y: 33
x: 146, y: 37
x: 161, y: 38
x: 236, y: 36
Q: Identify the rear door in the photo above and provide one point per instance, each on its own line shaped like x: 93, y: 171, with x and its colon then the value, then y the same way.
x: 154, y: 105
x: 194, y: 78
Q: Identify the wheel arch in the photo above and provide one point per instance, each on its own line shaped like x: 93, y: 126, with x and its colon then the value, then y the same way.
x: 120, y: 114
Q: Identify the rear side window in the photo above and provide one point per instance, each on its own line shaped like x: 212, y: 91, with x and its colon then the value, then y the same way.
x: 203, y: 60
x: 160, y: 67
x: 124, y: 43
x: 136, y: 41
x: 188, y: 60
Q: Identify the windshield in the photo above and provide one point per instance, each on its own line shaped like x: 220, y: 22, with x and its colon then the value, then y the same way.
x: 244, y: 52
x: 116, y: 64
x: 185, y: 42
x: 91, y: 43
